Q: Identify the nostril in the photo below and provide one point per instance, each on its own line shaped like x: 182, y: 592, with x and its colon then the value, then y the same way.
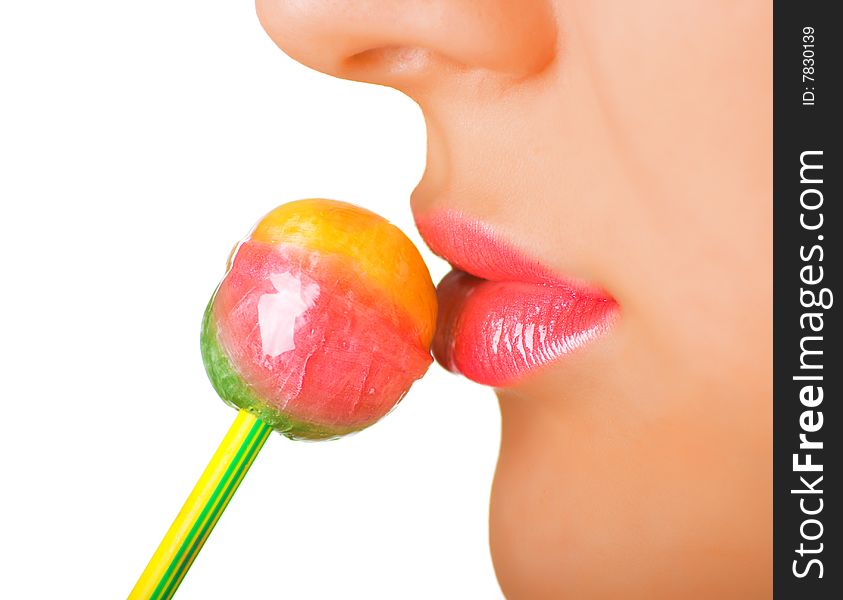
x: 396, y: 65
x: 390, y: 58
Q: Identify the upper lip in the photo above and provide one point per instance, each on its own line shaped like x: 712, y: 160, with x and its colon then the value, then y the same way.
x: 478, y: 249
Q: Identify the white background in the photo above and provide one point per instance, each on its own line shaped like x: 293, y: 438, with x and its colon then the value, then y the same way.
x: 138, y: 142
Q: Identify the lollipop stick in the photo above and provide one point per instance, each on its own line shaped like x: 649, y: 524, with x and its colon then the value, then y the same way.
x: 203, y: 508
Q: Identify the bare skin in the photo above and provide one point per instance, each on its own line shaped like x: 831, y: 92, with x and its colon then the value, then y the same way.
x: 626, y: 144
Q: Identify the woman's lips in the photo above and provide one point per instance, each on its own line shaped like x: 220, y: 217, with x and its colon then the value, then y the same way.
x: 502, y: 314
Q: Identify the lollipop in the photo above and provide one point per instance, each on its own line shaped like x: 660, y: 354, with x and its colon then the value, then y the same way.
x: 322, y: 322
x: 320, y: 326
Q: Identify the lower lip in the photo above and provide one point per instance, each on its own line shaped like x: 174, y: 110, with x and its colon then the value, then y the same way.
x: 496, y: 332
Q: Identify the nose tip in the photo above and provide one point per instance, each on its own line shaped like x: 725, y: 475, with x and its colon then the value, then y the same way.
x: 402, y: 42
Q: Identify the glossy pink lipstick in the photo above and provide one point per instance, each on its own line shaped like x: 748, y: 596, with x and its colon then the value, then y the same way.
x: 502, y: 314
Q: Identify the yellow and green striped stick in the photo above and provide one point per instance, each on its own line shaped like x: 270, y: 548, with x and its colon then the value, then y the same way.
x: 203, y: 508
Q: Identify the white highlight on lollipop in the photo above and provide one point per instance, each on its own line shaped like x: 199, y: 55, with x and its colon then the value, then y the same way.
x: 277, y: 313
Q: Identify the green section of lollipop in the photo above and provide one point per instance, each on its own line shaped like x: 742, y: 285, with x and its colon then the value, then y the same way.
x: 231, y: 387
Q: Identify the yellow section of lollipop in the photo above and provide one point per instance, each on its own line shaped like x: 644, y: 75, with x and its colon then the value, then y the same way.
x: 381, y: 250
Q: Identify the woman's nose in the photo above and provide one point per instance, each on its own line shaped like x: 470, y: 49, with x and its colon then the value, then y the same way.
x: 402, y: 43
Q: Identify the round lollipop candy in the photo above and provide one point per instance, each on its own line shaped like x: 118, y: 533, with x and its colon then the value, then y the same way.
x: 321, y: 324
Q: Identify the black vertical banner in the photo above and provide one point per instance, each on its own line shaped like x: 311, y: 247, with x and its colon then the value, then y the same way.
x: 808, y: 436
